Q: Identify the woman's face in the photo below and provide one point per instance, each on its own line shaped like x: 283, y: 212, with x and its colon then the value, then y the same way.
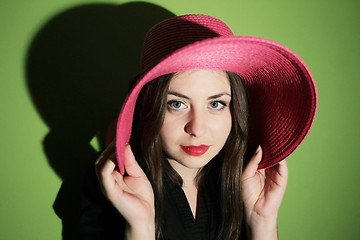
x: 197, y: 119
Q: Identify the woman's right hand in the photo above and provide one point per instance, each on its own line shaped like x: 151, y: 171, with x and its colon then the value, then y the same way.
x: 132, y: 195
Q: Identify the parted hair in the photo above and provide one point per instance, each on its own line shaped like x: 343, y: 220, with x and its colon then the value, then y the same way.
x: 146, y: 144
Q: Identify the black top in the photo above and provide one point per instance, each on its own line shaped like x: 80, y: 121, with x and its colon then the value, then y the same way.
x: 100, y: 220
x: 179, y: 222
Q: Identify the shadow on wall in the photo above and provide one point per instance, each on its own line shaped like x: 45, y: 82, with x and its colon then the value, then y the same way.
x: 78, y: 67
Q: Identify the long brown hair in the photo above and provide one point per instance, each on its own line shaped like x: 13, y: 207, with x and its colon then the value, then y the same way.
x: 146, y: 144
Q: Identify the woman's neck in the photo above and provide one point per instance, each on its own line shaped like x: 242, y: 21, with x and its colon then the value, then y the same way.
x: 188, y: 175
x: 189, y: 186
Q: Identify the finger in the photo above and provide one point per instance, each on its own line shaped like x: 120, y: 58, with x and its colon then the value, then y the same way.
x: 277, y: 176
x: 105, y: 170
x: 106, y: 167
x: 279, y: 169
x: 131, y: 166
x: 252, y: 167
x: 283, y: 170
x: 106, y: 153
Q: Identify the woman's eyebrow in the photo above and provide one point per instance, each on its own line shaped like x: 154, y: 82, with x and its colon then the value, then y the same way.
x: 210, y: 97
x: 219, y: 95
x: 176, y: 94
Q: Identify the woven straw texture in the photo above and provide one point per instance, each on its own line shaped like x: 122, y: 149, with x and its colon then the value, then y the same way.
x: 281, y: 93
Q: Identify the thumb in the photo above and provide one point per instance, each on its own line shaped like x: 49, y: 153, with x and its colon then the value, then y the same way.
x: 253, y: 164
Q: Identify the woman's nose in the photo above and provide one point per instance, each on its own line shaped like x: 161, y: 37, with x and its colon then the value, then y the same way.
x: 196, y: 125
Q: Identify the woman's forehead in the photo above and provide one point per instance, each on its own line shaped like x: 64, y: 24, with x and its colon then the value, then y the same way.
x: 200, y: 80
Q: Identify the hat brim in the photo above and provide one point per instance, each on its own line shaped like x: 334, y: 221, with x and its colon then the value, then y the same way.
x: 282, y: 96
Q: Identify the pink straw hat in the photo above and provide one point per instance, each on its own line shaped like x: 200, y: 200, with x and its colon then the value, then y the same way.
x: 281, y: 93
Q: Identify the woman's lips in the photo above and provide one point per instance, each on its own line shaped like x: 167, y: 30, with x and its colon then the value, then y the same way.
x: 195, y: 150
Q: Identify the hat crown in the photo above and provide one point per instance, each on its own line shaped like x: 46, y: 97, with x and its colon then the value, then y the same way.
x: 175, y: 33
x: 281, y: 93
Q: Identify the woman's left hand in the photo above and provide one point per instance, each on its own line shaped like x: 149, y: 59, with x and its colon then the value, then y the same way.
x: 262, y: 191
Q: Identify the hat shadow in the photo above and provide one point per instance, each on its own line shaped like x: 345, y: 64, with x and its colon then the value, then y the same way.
x: 78, y: 67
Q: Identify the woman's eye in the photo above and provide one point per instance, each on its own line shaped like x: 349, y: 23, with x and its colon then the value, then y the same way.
x: 217, y: 105
x: 177, y: 105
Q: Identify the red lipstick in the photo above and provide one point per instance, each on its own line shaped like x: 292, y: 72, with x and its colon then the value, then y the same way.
x: 195, y: 150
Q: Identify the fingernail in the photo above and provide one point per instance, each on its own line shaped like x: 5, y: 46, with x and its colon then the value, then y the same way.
x: 258, y: 149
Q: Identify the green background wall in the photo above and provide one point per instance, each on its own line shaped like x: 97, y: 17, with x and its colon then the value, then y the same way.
x: 322, y: 199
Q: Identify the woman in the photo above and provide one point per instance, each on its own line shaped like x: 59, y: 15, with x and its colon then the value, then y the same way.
x: 187, y: 174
